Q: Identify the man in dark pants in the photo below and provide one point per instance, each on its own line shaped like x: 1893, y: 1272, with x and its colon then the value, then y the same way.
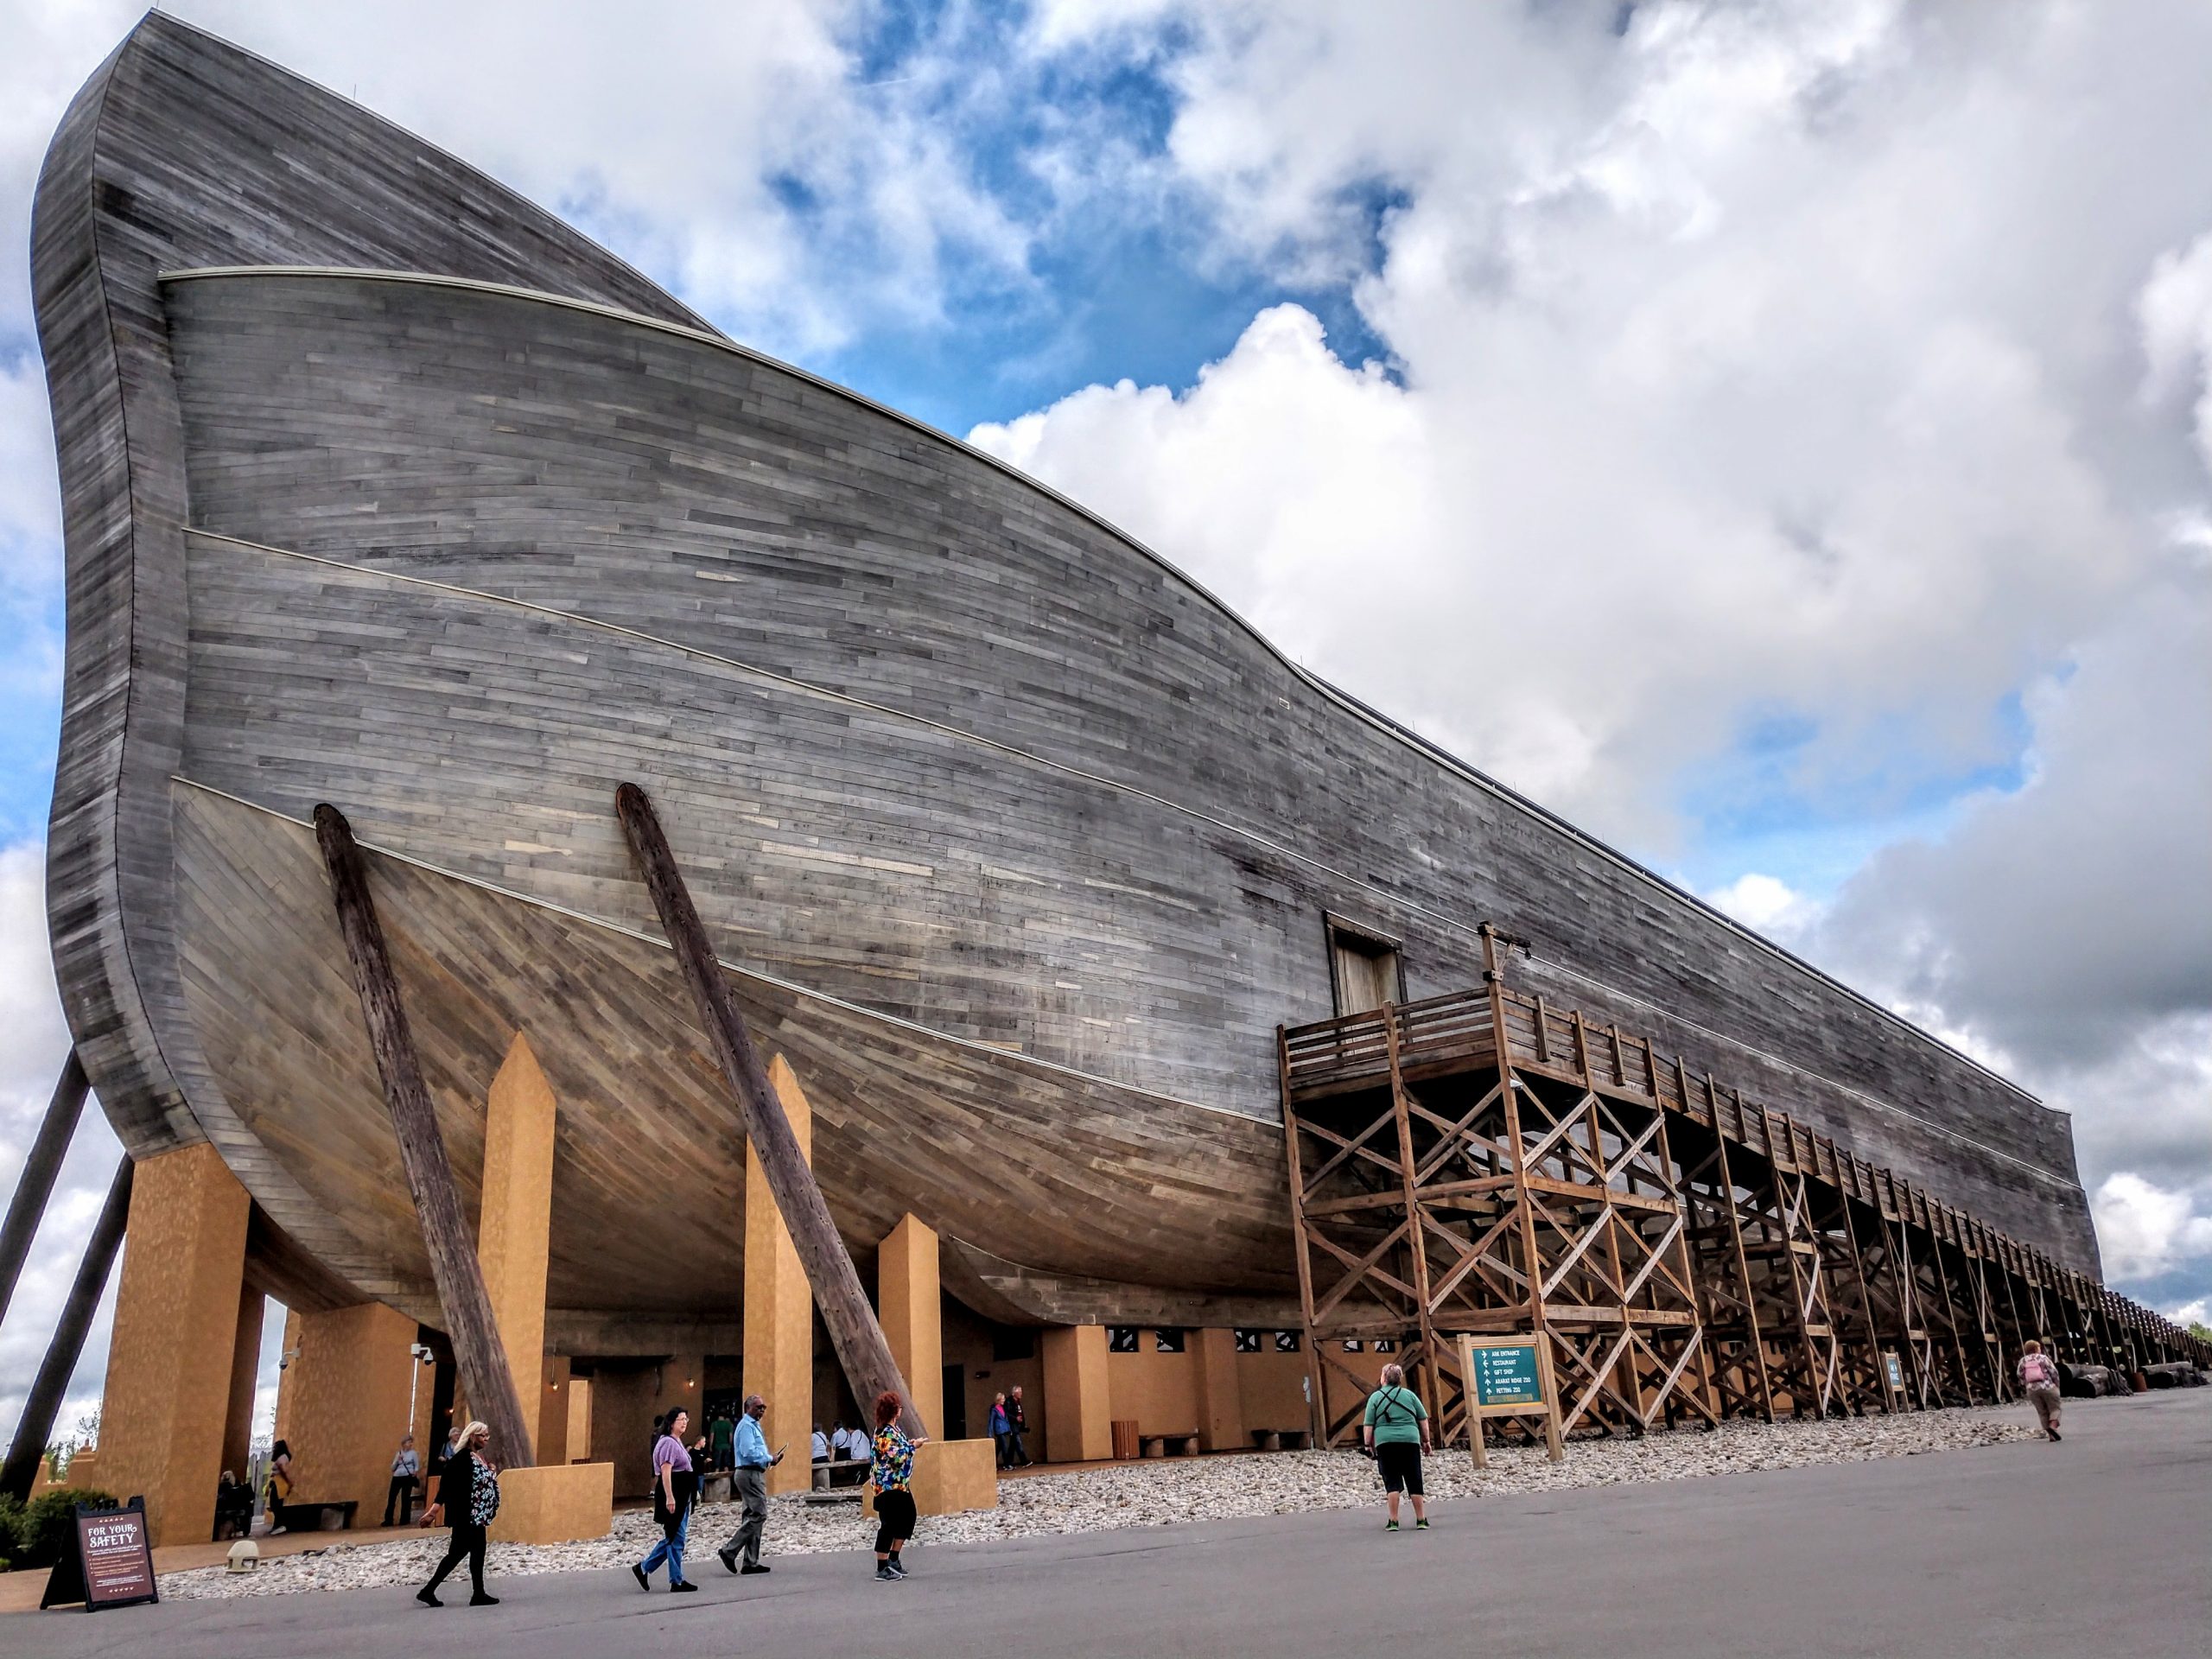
x: 1017, y: 1431
x: 750, y: 1462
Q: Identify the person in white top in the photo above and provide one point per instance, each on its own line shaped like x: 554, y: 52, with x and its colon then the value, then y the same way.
x: 821, y: 1445
x: 406, y: 1467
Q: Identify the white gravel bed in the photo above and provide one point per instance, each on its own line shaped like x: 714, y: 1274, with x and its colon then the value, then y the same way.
x: 1157, y: 1492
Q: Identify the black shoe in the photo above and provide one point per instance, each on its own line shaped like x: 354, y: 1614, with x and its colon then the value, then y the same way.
x: 683, y: 1589
x: 638, y: 1574
x: 727, y: 1558
x: 428, y: 1597
x: 750, y: 1568
x: 479, y: 1599
x: 885, y: 1575
x: 897, y: 1567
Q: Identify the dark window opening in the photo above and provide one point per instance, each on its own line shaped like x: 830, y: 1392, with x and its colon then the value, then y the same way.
x: 1120, y: 1338
x: 1247, y: 1342
x: 1168, y: 1342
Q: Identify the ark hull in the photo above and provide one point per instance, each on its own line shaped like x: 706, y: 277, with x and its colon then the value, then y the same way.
x: 386, y: 489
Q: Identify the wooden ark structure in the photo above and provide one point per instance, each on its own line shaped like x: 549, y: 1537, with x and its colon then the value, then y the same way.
x: 383, y: 487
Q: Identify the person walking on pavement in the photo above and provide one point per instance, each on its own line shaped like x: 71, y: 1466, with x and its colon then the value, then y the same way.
x: 1017, y: 1426
x: 2039, y: 1378
x: 674, y: 1481
x: 1000, y: 1434
x: 468, y: 1486
x: 891, y: 1471
x: 1397, y: 1432
x: 750, y: 1460
x: 405, y: 1467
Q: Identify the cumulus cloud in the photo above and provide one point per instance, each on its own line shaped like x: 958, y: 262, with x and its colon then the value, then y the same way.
x: 2146, y: 1230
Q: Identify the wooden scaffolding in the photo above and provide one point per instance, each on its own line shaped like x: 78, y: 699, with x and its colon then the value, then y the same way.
x: 1485, y: 1163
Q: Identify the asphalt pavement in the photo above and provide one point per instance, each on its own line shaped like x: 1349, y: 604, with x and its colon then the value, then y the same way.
x: 2100, y: 1544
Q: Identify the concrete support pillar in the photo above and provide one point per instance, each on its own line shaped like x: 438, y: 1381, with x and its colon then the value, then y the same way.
x: 1078, y: 1409
x: 167, y: 1396
x: 779, y: 1303
x: 514, y: 1226
x: 246, y: 1371
x: 1221, y: 1395
x: 912, y: 1312
x: 341, y: 1404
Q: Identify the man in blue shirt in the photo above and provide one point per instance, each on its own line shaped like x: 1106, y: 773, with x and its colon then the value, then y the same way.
x: 750, y: 1461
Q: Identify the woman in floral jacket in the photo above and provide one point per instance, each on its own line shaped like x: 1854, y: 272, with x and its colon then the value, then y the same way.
x: 891, y: 1468
x: 469, y: 1490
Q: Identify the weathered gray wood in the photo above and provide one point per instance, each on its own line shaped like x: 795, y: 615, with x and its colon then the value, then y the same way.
x: 66, y: 1345
x: 35, y: 1184
x: 853, y: 1332
x: 487, y: 1378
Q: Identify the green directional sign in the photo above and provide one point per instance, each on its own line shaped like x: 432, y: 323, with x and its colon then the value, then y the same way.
x: 1507, y: 1376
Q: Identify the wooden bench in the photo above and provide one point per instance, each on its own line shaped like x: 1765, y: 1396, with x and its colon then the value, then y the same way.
x: 1183, y: 1443
x: 1275, y: 1440
x: 305, y: 1515
x: 840, y: 1472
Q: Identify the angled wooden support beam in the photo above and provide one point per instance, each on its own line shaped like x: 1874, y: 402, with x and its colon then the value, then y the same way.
x: 486, y: 1378
x: 68, y: 1343
x: 35, y: 1184
x: 853, y: 1332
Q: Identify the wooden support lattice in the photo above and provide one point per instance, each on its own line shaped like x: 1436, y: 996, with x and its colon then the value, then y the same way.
x: 1482, y: 1163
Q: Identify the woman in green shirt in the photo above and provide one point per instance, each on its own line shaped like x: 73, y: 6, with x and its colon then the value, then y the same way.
x: 1396, y: 1431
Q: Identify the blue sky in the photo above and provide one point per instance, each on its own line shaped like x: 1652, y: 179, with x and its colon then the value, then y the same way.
x: 1818, y: 393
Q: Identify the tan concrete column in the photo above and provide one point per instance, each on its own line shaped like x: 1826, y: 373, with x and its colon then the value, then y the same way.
x: 779, y: 1303
x: 342, y: 1404
x: 1221, y: 1396
x: 168, y: 1397
x: 912, y: 1313
x: 246, y: 1371
x: 1078, y: 1408
x: 514, y: 1226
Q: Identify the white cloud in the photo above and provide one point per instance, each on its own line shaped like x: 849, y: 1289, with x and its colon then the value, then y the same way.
x: 2175, y: 310
x: 2146, y: 1230
x: 1769, y: 905
x: 1724, y: 385
x: 2193, y: 1312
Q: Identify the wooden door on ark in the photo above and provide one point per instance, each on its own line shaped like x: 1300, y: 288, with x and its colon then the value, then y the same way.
x: 1365, y: 970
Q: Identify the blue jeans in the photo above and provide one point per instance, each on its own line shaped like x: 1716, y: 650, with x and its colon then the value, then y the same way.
x: 669, y: 1549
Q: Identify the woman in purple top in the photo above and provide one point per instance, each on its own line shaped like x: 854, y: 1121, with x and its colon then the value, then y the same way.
x: 673, y: 1481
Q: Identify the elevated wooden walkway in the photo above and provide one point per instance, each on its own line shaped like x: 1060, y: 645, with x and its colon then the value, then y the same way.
x: 1485, y: 1162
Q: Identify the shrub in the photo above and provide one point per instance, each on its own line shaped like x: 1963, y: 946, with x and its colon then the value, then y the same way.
x: 43, y: 1528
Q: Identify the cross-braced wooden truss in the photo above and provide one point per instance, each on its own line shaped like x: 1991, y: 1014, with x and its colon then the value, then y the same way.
x: 1485, y: 1163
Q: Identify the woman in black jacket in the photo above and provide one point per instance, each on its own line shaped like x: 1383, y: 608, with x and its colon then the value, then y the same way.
x: 469, y: 1489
